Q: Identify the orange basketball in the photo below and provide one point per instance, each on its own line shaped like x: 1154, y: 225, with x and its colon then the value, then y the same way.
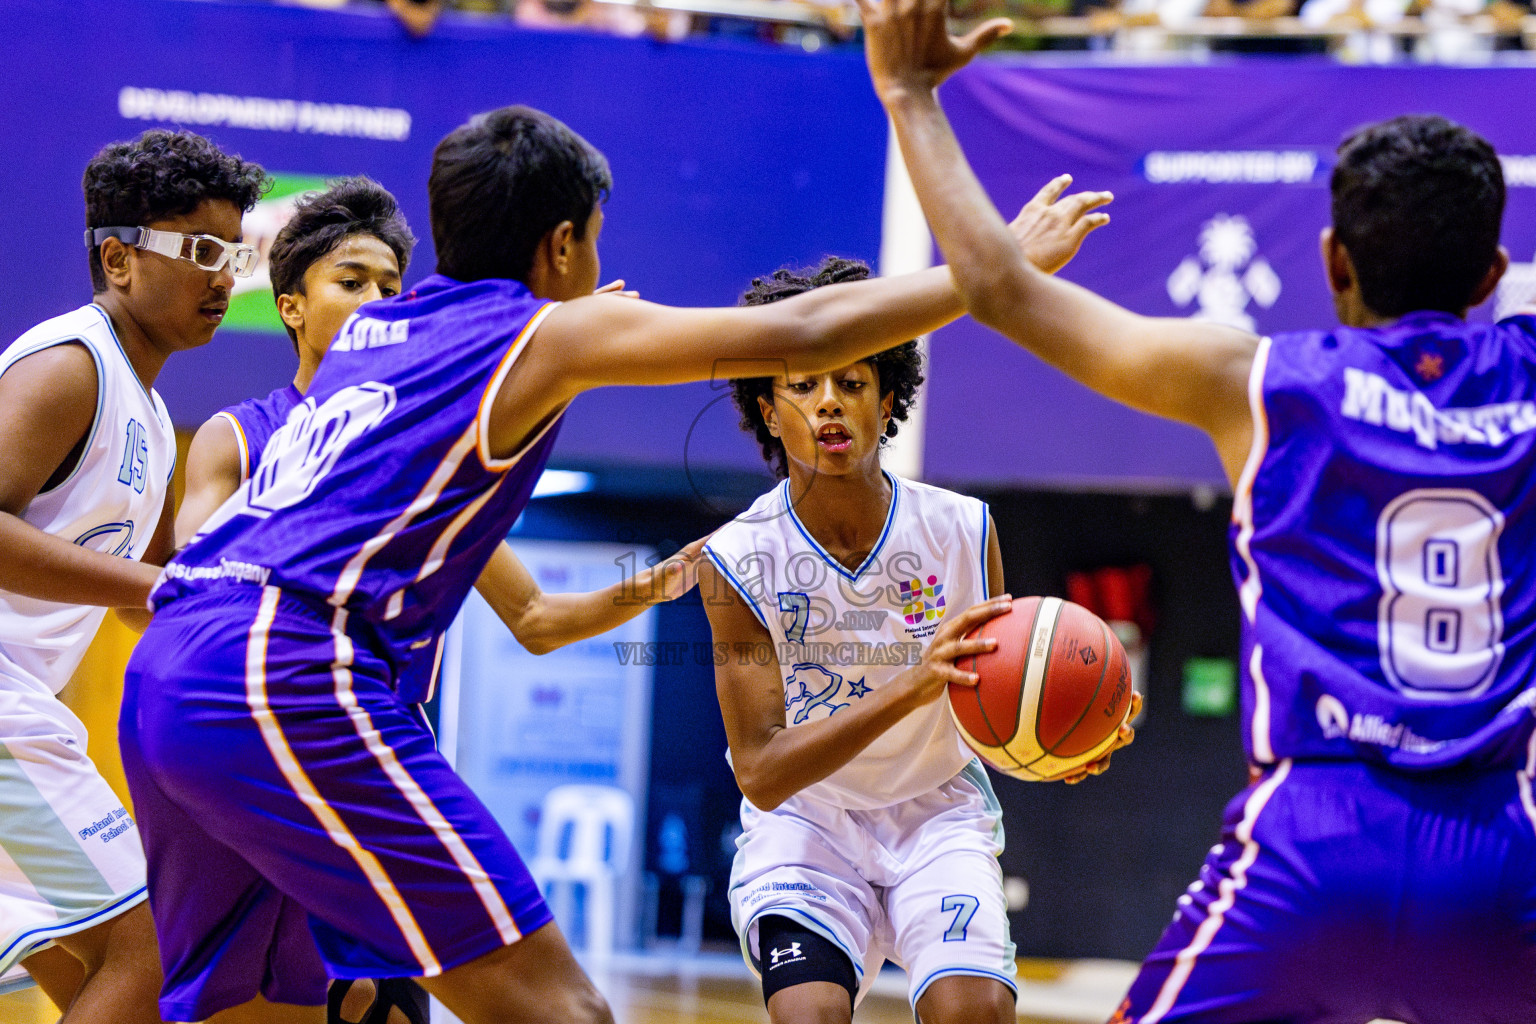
x: 1051, y: 697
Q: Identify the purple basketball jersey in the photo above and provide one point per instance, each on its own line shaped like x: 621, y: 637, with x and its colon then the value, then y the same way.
x: 379, y: 495
x: 1381, y: 535
x: 255, y: 420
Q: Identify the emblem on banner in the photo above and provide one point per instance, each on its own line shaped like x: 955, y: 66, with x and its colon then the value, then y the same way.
x: 1226, y: 275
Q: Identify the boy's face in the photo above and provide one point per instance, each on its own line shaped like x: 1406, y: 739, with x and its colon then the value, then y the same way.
x: 178, y: 304
x: 360, y: 269
x: 829, y: 422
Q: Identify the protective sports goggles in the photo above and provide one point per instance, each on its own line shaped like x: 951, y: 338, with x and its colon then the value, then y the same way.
x: 206, y: 252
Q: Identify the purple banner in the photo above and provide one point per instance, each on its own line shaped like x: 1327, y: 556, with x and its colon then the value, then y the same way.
x: 1220, y: 175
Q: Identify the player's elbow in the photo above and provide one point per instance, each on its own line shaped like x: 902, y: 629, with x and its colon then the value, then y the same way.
x: 760, y: 788
x: 541, y: 644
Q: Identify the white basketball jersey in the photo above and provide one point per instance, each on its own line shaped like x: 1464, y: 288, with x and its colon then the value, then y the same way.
x: 840, y: 634
x: 112, y: 502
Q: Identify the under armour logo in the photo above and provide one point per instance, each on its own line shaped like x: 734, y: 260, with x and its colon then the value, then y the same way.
x: 792, y: 953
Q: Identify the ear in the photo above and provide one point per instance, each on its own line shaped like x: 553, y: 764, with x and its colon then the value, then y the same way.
x: 1336, y: 262
x: 290, y: 306
x: 1490, y: 280
x: 770, y: 415
x: 561, y: 243
x: 116, y: 262
x: 887, y: 402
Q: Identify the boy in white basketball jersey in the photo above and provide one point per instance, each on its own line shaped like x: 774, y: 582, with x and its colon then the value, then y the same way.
x: 871, y: 831
x: 85, y: 517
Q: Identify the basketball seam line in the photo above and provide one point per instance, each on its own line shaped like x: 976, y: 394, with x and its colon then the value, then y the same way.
x: 1088, y: 705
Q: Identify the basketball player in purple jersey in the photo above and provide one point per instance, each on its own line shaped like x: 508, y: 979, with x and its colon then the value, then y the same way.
x: 1383, y: 863
x: 298, y: 818
x: 342, y: 247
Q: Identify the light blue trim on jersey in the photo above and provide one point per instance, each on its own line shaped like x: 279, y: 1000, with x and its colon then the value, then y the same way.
x: 947, y: 972
x: 131, y: 371
x: 986, y: 584
x: 810, y: 922
x: 31, y: 939
x: 736, y: 585
x: 976, y: 775
x: 101, y: 388
x: 890, y: 520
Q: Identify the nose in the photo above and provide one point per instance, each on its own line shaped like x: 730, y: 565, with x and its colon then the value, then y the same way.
x: 829, y: 402
x: 224, y: 279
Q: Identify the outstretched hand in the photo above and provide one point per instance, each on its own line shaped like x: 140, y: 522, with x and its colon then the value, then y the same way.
x: 1050, y: 229
x: 909, y: 48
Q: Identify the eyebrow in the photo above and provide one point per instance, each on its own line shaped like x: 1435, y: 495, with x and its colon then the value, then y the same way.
x: 357, y: 265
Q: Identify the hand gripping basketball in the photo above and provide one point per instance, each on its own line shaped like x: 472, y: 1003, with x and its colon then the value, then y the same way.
x: 937, y: 670
x: 1054, y: 698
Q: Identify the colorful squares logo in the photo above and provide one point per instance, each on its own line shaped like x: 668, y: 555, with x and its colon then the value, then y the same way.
x: 922, y: 602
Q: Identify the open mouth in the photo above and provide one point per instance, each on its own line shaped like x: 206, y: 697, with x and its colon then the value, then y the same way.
x: 834, y: 438
x: 214, y: 313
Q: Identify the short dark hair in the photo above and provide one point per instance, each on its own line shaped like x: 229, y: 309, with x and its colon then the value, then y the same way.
x: 162, y: 174
x: 323, y: 220
x: 501, y: 183
x: 1417, y: 202
x: 899, y: 369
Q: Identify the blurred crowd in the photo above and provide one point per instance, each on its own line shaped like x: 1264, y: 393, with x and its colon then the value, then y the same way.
x: 1365, y: 31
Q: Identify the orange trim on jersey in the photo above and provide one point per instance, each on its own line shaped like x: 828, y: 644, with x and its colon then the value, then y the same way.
x: 1184, y: 963
x: 242, y: 443
x: 298, y: 780
x: 1252, y: 587
x: 426, y: 810
x: 429, y: 493
x: 483, y: 414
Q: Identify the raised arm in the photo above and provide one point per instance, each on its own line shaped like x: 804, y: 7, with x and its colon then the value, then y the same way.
x: 47, y: 403
x: 608, y: 339
x: 773, y: 762
x: 1184, y: 370
x: 545, y: 622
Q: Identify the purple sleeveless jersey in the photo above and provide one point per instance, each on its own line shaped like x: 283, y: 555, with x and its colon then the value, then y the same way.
x: 1381, y: 537
x: 255, y: 420
x: 378, y: 495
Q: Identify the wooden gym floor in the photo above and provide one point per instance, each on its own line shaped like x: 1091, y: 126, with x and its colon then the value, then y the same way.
x: 715, y: 988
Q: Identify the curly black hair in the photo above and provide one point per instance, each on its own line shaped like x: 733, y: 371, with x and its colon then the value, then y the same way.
x: 162, y: 174
x: 899, y: 369
x: 323, y: 220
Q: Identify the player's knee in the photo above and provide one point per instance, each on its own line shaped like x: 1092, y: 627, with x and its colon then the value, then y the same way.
x: 967, y: 999
x: 807, y: 979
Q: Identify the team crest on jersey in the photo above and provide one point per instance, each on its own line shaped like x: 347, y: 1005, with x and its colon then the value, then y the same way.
x: 922, y: 602
x: 813, y: 689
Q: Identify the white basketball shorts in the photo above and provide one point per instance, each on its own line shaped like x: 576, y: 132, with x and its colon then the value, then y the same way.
x: 916, y: 883
x: 70, y: 856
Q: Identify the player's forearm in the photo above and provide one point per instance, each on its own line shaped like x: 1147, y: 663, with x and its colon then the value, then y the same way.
x: 987, y: 267
x: 795, y: 757
x: 39, y: 565
x: 848, y: 322
x: 564, y: 619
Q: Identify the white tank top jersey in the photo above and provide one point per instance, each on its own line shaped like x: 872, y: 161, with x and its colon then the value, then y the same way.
x: 112, y: 502
x: 839, y: 634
